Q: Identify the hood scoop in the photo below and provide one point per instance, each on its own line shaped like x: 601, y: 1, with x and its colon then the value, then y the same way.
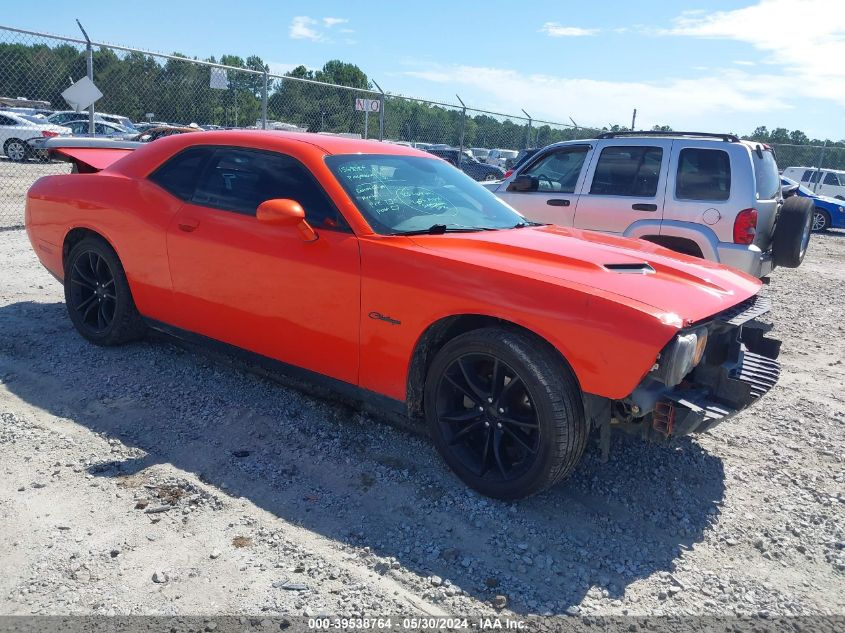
x: 634, y: 268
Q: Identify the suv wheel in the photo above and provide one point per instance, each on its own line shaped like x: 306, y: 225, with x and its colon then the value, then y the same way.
x: 792, y: 232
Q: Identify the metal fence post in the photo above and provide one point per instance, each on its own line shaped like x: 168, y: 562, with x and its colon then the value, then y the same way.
x: 818, y: 176
x: 381, y: 103
x: 463, y: 125
x: 528, y: 135
x: 90, y: 61
x: 264, y: 102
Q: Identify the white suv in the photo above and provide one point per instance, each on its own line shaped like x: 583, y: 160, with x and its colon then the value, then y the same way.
x: 709, y: 195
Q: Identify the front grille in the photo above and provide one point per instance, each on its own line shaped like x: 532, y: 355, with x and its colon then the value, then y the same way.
x: 758, y: 372
x: 745, y: 311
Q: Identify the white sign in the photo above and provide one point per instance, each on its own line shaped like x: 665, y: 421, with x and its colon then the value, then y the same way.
x: 219, y: 78
x: 82, y: 94
x: 367, y: 105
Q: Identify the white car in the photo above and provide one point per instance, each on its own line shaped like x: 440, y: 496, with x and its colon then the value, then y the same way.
x: 16, y: 130
x: 822, y: 182
x: 65, y: 116
x: 499, y: 157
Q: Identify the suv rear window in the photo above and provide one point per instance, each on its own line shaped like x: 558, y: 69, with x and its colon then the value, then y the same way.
x: 766, y: 175
x: 703, y: 174
x: 628, y: 170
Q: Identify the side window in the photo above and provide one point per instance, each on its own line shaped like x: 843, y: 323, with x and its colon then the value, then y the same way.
x: 831, y: 179
x: 6, y: 121
x: 808, y: 173
x: 179, y: 174
x: 559, y: 170
x: 627, y: 170
x: 239, y: 180
x: 703, y: 174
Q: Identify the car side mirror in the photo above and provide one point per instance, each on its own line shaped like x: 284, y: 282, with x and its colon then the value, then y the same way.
x: 285, y: 212
x: 524, y: 183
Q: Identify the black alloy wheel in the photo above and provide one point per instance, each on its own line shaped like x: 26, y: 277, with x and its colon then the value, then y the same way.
x: 487, y: 416
x: 92, y: 293
x: 505, y: 411
x: 99, y: 300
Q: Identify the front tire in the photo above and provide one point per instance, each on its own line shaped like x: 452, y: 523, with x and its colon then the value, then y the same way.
x: 821, y: 220
x: 505, y: 412
x: 97, y: 295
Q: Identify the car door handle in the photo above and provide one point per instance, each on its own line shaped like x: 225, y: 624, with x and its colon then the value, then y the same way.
x: 644, y: 207
x: 557, y: 202
x: 188, y: 224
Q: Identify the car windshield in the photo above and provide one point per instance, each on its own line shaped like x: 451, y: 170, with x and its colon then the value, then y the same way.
x: 406, y: 194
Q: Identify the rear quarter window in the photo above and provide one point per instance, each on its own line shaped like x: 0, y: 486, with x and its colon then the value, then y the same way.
x: 703, y: 174
x: 766, y: 175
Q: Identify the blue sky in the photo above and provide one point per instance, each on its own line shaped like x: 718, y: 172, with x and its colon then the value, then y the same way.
x: 714, y: 65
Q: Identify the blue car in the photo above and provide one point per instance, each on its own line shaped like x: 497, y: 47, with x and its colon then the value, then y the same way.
x: 828, y: 213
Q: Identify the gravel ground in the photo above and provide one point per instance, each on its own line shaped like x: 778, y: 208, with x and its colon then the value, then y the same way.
x: 150, y: 479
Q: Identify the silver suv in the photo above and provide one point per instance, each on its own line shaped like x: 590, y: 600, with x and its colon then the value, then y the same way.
x: 707, y: 195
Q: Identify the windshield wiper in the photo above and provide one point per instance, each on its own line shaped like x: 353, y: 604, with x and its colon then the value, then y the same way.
x: 440, y: 229
x: 522, y: 225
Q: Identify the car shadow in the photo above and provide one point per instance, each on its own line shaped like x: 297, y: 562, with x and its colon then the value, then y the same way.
x: 345, y: 476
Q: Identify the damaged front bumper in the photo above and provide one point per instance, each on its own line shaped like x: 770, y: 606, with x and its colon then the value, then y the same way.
x: 739, y: 365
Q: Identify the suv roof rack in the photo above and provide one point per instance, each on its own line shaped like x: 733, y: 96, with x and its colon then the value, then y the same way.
x: 731, y: 138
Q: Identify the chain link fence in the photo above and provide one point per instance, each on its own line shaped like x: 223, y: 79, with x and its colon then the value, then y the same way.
x: 152, y: 89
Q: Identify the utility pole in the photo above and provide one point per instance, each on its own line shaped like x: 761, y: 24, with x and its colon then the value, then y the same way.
x: 634, y: 120
x: 90, y: 56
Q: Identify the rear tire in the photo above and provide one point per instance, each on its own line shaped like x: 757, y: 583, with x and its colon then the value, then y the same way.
x: 97, y: 295
x: 792, y: 232
x: 16, y: 150
x: 505, y: 412
x: 821, y: 220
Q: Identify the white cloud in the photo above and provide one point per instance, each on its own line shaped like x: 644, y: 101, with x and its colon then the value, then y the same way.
x: 680, y: 102
x: 330, y: 22
x: 804, y: 38
x: 744, y: 62
x: 303, y: 27
x: 553, y: 29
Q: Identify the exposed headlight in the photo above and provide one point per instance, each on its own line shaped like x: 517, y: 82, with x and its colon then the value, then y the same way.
x: 841, y: 209
x: 683, y: 355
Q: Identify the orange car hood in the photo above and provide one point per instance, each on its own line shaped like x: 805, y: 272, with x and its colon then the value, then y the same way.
x: 682, y: 289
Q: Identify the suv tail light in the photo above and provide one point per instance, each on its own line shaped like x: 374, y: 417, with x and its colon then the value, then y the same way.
x: 745, y: 226
x: 508, y: 173
x: 48, y: 134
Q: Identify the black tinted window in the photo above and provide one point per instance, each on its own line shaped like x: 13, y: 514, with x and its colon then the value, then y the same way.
x: 559, y: 170
x: 627, y: 171
x: 831, y: 179
x: 766, y: 175
x: 6, y: 121
x: 703, y: 174
x: 241, y: 179
x: 179, y: 175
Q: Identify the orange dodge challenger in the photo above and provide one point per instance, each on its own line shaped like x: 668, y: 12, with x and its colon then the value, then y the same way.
x: 393, y: 277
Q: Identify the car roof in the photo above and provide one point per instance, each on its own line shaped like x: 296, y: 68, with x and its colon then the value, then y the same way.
x: 327, y: 144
